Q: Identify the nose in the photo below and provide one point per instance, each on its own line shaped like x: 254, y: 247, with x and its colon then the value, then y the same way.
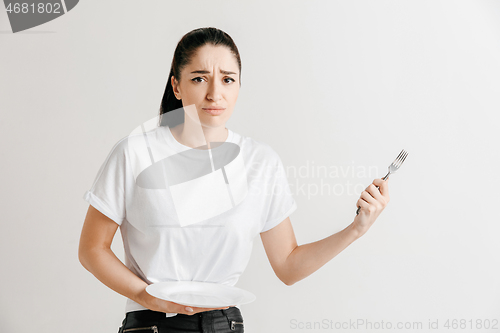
x: 214, y: 91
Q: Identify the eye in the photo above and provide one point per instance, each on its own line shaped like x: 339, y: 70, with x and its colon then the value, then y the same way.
x: 229, y: 78
x: 196, y: 78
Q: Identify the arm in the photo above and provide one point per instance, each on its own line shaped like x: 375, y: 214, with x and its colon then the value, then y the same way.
x: 292, y: 263
x: 97, y: 257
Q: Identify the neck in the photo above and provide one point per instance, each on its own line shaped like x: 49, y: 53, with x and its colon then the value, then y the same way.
x: 192, y: 135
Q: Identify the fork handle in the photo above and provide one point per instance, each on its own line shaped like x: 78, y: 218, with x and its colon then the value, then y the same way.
x: 386, y: 176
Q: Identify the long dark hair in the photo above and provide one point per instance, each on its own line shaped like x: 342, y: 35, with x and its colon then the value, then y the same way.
x: 186, y: 48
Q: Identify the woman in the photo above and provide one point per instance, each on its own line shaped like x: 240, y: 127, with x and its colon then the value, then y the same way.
x: 161, y: 243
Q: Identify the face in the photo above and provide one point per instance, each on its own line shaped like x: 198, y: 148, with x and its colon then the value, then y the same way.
x: 211, y: 83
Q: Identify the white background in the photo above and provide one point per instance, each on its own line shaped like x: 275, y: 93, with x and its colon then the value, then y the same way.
x: 342, y: 84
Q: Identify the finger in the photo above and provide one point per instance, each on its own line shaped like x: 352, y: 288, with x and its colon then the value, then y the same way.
x: 368, y: 198
x: 187, y: 310
x: 222, y: 307
x: 198, y: 309
x: 379, y: 182
x: 375, y: 192
x: 190, y: 310
x: 383, y: 186
x: 363, y: 204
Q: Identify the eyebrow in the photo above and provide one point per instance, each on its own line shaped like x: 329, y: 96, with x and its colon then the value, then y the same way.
x: 207, y: 72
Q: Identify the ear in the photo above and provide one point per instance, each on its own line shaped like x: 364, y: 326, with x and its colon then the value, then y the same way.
x: 175, y: 87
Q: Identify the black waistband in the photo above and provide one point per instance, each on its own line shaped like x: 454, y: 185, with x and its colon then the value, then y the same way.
x: 155, y: 315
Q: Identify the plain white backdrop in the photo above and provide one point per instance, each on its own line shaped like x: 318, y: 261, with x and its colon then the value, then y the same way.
x: 338, y: 84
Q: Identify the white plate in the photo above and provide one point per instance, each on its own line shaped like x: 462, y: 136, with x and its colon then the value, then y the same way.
x: 200, y: 294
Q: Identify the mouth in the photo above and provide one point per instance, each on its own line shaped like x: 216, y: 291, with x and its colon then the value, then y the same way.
x: 214, y: 111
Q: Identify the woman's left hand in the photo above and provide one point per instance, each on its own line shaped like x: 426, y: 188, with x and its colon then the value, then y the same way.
x: 372, y: 202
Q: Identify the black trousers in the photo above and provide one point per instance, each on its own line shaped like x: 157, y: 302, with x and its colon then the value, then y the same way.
x: 216, y: 321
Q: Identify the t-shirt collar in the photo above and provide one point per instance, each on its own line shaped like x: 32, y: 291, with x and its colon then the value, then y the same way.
x: 177, y: 146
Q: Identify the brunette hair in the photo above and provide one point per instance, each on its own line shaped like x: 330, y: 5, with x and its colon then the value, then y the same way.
x: 186, y: 48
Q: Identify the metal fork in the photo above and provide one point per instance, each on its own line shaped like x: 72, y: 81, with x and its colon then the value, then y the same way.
x: 392, y: 168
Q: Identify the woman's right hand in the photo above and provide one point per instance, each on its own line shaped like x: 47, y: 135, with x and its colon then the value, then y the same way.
x: 156, y: 304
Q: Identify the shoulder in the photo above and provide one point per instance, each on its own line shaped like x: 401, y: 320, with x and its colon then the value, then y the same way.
x: 120, y: 147
x: 119, y: 150
x: 137, y: 140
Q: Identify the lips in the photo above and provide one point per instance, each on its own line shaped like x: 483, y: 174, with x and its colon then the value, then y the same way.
x: 214, y: 110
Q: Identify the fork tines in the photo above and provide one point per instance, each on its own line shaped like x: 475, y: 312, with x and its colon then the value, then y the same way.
x: 400, y: 159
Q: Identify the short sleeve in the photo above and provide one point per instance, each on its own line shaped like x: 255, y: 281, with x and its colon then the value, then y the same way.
x: 107, y: 193
x: 280, y: 202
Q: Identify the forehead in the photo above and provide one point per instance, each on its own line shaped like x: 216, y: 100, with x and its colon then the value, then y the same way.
x: 209, y: 56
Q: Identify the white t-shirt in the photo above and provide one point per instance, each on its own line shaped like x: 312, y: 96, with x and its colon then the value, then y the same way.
x: 169, y: 231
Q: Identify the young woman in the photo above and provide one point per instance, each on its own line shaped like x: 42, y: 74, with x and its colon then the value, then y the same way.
x: 160, y: 245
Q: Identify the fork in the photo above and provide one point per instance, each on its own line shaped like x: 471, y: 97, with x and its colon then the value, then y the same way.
x: 392, y: 168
